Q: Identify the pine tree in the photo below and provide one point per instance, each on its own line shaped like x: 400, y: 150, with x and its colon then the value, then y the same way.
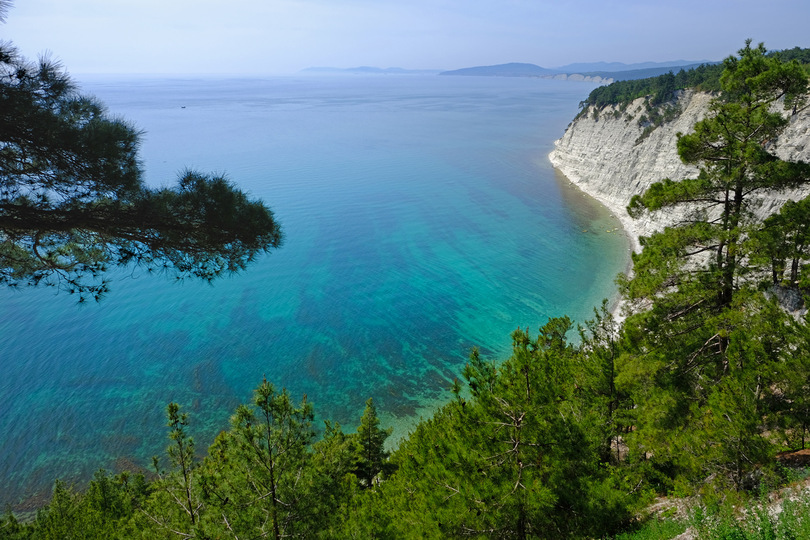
x: 334, y: 485
x: 783, y: 242
x: 174, y: 509
x: 687, y: 355
x: 371, y: 453
x: 595, y: 376
x: 258, y: 476
x: 73, y: 201
x: 705, y: 257
x: 511, y: 456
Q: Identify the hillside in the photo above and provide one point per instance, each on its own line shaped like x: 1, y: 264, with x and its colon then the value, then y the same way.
x: 600, y: 72
x: 513, y: 69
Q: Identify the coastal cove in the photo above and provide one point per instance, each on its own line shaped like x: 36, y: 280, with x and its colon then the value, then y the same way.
x: 421, y: 218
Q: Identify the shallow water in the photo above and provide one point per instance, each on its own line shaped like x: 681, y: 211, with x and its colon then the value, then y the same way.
x: 421, y: 218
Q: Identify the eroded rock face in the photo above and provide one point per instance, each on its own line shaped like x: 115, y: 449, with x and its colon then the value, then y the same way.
x: 607, y: 155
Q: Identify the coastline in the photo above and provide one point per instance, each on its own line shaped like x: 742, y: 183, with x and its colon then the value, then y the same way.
x: 629, y: 228
x: 619, y: 211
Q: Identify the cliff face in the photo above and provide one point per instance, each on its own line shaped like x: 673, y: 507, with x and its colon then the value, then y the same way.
x: 608, y: 155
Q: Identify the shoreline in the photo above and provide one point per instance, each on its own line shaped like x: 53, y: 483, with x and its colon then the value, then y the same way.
x: 629, y: 228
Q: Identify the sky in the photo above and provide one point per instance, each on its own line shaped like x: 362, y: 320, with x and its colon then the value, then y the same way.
x: 265, y: 37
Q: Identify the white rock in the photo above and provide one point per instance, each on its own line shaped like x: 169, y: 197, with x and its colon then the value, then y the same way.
x: 599, y: 153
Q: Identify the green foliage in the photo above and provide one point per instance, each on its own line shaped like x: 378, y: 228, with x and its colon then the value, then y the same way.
x: 606, y: 409
x: 102, y: 511
x: 754, y: 520
x: 708, y: 362
x: 370, y: 440
x: 793, y: 403
x: 256, y: 476
x: 334, y: 486
x: 661, y: 89
x: 12, y: 529
x: 658, y: 90
x: 784, y: 238
x: 73, y: 201
x: 654, y: 529
x: 174, y: 507
x: 517, y: 456
x: 730, y: 517
x: 796, y: 53
x: 708, y: 387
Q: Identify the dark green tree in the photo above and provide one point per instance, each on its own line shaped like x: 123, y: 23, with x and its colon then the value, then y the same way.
x: 797, y: 394
x: 734, y: 433
x: 595, y: 376
x: 12, y: 529
x: 371, y: 453
x: 783, y: 242
x: 733, y: 148
x: 73, y: 201
x: 103, y: 511
x: 688, y: 351
x: 334, y: 485
x: 258, y: 477
x: 511, y: 456
x: 175, y: 508
x: 62, y: 516
x: 181, y: 456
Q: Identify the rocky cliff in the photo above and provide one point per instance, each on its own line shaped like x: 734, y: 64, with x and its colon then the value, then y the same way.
x: 611, y: 154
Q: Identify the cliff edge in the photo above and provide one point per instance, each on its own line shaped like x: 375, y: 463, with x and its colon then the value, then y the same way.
x: 612, y: 154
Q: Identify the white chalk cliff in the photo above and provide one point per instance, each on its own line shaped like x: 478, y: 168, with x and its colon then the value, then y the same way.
x: 604, y: 153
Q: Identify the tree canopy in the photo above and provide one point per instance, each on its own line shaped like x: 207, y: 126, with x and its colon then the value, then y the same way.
x: 709, y: 356
x: 734, y: 150
x: 660, y: 89
x: 73, y: 201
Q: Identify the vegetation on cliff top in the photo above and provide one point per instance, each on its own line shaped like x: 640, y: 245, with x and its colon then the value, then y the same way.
x: 661, y: 89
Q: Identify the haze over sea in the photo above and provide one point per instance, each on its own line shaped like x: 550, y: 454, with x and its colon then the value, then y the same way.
x: 421, y: 218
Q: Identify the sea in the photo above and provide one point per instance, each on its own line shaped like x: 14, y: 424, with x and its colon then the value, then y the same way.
x: 421, y: 218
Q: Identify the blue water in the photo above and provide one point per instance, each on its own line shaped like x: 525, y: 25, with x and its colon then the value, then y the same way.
x: 421, y: 218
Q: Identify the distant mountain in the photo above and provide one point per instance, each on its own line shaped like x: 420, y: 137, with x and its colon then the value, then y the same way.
x: 593, y: 71
x: 503, y: 70
x: 642, y: 73
x: 372, y: 70
x: 612, y: 67
x: 605, y: 72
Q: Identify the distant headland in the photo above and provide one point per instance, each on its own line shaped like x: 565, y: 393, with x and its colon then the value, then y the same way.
x: 600, y: 72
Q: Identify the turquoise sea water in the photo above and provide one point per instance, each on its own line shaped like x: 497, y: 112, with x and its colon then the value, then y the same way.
x: 421, y: 218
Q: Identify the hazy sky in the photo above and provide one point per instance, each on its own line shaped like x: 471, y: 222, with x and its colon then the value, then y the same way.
x: 284, y: 36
